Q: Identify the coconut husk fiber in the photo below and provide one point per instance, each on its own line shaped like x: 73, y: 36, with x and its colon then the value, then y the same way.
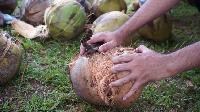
x: 91, y: 75
x: 10, y: 57
x: 29, y: 31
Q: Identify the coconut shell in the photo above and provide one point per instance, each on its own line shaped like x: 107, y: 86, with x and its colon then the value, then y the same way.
x: 91, y: 76
x: 10, y: 58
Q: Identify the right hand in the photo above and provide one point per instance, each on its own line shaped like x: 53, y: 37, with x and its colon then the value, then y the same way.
x: 110, y: 39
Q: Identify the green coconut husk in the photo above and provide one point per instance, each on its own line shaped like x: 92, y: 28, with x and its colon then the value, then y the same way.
x: 10, y: 57
x: 103, y: 6
x: 65, y: 20
x: 111, y: 21
x: 159, y: 29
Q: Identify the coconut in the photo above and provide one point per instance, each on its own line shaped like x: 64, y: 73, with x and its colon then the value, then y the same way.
x: 91, y: 75
x: 159, y: 29
x: 10, y: 57
x: 1, y: 19
x: 66, y: 19
x: 32, y: 11
x: 111, y: 21
x: 102, y: 6
x: 8, y: 6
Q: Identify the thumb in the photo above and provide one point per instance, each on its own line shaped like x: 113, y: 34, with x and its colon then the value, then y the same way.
x: 99, y: 37
x: 142, y: 49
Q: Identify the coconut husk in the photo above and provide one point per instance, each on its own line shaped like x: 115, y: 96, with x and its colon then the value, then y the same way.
x: 100, y: 7
x: 32, y: 11
x: 7, y: 6
x: 29, y: 31
x: 91, y: 75
x: 1, y: 19
x: 110, y: 22
x: 65, y: 20
x: 10, y: 57
x: 158, y: 30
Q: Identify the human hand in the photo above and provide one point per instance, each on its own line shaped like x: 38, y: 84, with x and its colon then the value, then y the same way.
x: 143, y: 66
x: 110, y: 39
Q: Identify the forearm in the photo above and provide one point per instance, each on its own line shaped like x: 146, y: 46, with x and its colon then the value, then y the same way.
x: 149, y: 11
x: 186, y: 58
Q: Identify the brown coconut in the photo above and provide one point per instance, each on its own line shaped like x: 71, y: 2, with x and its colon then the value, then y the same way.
x: 8, y: 6
x: 34, y: 11
x: 10, y: 57
x: 91, y: 76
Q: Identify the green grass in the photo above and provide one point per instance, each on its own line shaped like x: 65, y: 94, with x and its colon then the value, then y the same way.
x: 43, y: 83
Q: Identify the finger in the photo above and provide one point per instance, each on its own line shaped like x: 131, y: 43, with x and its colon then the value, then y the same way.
x: 99, y: 37
x: 133, y: 90
x: 121, y: 81
x: 142, y: 49
x: 120, y: 67
x: 107, y: 46
x: 82, y: 49
x: 122, y: 58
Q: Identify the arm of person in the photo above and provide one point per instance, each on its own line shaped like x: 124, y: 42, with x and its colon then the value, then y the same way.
x: 146, y: 65
x: 150, y: 10
x: 186, y: 58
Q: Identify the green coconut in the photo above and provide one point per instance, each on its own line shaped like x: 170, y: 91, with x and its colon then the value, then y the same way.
x: 65, y: 20
x: 103, y: 6
x: 10, y: 58
x: 111, y: 21
x: 159, y: 29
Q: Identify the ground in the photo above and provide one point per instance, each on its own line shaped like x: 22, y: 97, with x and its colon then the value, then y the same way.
x: 43, y: 83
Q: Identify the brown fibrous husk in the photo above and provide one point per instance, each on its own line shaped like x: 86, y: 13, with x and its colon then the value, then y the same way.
x: 91, y: 76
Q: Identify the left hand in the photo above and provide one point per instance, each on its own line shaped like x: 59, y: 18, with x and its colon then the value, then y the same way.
x: 143, y: 66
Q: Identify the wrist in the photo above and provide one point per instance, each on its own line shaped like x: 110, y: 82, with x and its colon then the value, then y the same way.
x: 174, y: 65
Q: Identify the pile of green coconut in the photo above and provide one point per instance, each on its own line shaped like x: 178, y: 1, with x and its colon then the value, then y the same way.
x: 66, y: 19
